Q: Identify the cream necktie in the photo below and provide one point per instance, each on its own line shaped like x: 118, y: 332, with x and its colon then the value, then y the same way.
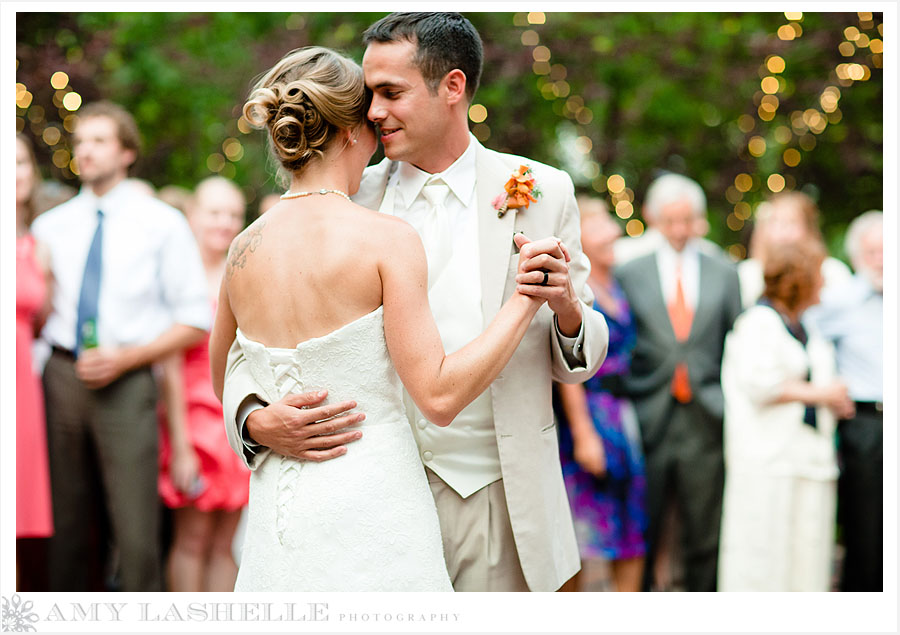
x: 436, y: 229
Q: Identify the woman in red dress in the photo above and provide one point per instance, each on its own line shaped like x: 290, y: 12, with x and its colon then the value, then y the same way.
x: 201, y: 478
x: 34, y: 517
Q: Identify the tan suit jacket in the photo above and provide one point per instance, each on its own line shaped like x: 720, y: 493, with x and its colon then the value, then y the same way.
x: 521, y: 395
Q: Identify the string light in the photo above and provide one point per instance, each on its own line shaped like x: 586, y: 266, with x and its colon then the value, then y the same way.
x: 72, y: 101
x: 743, y: 182
x: 791, y: 157
x: 634, y: 228
x: 477, y: 113
x: 233, y: 149
x: 59, y: 80
x: 215, y: 162
x: 615, y: 183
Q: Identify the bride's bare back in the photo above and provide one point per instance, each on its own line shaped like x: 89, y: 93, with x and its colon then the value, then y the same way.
x: 305, y: 268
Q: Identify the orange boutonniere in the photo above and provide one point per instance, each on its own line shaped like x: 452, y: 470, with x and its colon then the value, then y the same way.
x: 520, y: 191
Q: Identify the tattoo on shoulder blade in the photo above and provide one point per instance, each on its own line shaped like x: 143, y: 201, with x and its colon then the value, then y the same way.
x: 247, y: 241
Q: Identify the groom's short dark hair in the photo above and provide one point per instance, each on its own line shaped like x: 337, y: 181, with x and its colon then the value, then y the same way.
x: 444, y: 41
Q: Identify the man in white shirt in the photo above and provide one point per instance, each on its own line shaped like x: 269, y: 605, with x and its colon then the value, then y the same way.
x: 494, y: 471
x: 129, y: 290
x: 852, y: 317
x: 684, y: 302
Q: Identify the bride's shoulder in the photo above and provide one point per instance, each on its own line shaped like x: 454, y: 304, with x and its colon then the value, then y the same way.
x: 391, y: 237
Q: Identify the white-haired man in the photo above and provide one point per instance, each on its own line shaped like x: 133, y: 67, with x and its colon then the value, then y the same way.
x: 852, y: 317
x: 630, y: 247
x: 684, y: 302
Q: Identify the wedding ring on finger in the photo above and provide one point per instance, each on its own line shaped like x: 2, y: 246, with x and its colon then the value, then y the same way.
x: 546, y: 278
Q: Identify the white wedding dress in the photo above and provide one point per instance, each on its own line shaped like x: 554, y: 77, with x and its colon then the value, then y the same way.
x: 365, y: 521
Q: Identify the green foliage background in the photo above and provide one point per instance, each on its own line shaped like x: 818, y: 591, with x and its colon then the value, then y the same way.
x: 664, y: 91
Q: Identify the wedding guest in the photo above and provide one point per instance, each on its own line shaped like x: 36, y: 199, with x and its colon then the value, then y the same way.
x: 129, y: 291
x: 781, y: 398
x: 201, y: 479
x: 602, y: 461
x: 630, y: 247
x: 494, y: 473
x: 683, y: 302
x: 34, y: 518
x: 788, y: 217
x: 852, y: 317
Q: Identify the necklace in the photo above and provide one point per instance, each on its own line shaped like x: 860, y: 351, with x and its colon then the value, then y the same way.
x: 323, y: 192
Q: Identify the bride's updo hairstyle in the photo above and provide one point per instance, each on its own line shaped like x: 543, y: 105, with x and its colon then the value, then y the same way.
x: 305, y: 100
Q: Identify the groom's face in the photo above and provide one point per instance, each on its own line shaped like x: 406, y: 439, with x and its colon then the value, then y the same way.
x: 411, y: 119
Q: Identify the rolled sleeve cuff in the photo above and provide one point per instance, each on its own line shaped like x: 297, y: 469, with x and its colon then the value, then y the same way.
x: 572, y: 347
x: 251, y: 447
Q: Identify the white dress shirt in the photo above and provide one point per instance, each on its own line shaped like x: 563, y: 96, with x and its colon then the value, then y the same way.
x: 688, y: 260
x: 152, y: 276
x: 465, y: 453
x: 852, y: 317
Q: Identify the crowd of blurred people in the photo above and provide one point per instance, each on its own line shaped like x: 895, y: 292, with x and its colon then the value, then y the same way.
x: 734, y: 426
x: 758, y: 392
x: 125, y: 478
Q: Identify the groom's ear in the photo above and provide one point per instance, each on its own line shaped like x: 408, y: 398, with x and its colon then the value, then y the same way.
x: 455, y: 84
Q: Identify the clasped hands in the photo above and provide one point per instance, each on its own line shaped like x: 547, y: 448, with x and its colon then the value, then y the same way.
x: 298, y: 426
x: 551, y: 257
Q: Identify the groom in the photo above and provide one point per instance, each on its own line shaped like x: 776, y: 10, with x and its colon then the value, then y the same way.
x: 494, y: 472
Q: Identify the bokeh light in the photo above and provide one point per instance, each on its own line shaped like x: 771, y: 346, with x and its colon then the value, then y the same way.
x: 791, y: 157
x: 757, y: 146
x: 72, y: 101
x: 615, y: 183
x: 634, y: 228
x: 59, y: 80
x: 775, y: 64
x: 477, y: 113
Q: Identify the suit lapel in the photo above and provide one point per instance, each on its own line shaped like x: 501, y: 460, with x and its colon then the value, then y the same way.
x: 659, y: 312
x: 495, y: 244
x: 708, y: 289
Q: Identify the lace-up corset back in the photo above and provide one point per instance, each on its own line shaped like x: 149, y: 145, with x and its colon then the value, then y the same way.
x: 352, y: 362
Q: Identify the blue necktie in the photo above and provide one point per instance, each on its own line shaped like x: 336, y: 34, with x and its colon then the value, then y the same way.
x: 88, y: 301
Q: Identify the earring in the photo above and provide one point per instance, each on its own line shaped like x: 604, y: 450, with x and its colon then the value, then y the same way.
x: 353, y: 142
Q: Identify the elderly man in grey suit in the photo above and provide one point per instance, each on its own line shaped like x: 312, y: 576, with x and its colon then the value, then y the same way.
x: 494, y: 472
x: 684, y: 302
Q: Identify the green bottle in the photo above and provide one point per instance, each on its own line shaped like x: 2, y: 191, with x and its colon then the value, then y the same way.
x: 89, y: 334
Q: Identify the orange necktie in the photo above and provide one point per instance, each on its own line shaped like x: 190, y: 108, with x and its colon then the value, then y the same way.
x: 681, y: 316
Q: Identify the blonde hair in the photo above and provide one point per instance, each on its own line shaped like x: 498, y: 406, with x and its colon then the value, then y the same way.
x: 305, y: 101
x: 212, y: 184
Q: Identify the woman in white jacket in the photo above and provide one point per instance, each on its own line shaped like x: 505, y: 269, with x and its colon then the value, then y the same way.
x: 781, y: 399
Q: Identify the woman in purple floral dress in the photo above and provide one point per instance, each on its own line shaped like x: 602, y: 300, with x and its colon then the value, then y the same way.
x: 600, y: 446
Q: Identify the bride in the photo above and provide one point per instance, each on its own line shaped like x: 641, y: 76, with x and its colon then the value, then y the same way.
x: 322, y: 293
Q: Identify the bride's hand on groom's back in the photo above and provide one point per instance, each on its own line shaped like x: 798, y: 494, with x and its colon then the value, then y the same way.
x: 295, y: 426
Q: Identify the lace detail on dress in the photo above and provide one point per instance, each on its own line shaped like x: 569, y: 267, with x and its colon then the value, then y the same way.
x: 364, y: 521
